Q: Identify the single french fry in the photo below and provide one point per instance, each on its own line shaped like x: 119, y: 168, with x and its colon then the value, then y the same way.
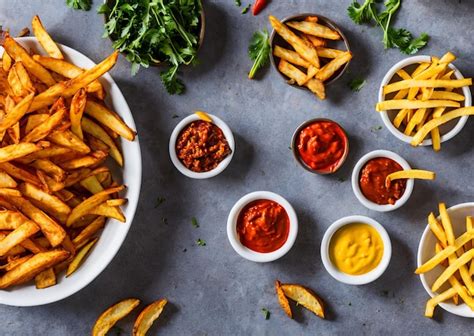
x: 91, y: 160
x: 69, y: 140
x: 410, y: 174
x: 462, y: 260
x: 435, y: 83
x: 15, y: 237
x: 16, y: 113
x: 317, y: 41
x: 49, y: 168
x: 12, y: 152
x: 437, y: 230
x: 313, y: 28
x: 95, y: 130
x: 433, y: 302
x: 45, y: 279
x: 290, y: 56
x: 6, y: 62
x: 436, y: 139
x: 45, y: 39
x: 415, y: 120
x: 76, y: 110
x: 148, y: 315
x: 108, y: 211
x: 19, y: 54
x: 447, y: 95
x: 413, y: 104
x: 308, y: 53
x: 328, y: 52
x: 330, y: 68
x: 401, y: 115
x: 89, y: 231
x: 109, y: 317
x: 11, y: 219
x: 44, y: 129
x: 79, y: 258
x: 24, y: 77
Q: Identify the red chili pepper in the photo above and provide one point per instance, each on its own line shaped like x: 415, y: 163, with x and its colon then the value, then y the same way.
x: 258, y: 6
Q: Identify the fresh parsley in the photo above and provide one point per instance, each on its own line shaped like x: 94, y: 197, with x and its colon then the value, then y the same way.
x: 153, y: 31
x: 259, y: 51
x: 245, y: 9
x: 375, y: 128
x: 238, y: 3
x: 392, y: 37
x: 200, y: 242
x: 84, y: 5
x: 194, y: 222
x: 266, y: 313
x: 357, y: 84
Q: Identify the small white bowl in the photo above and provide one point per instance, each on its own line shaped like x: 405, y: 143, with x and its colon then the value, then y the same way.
x: 234, y: 237
x: 356, y: 187
x: 426, y: 250
x: 356, y: 279
x: 220, y: 167
x: 448, y: 130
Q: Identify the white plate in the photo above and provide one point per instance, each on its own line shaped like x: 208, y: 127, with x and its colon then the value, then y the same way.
x: 115, y: 232
x: 426, y: 248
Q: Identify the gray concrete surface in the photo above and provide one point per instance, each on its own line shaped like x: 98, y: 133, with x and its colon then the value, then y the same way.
x: 212, y: 290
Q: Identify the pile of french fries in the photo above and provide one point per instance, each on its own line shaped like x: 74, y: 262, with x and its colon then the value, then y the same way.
x: 426, y: 99
x: 311, y: 63
x: 55, y: 135
x: 456, y: 255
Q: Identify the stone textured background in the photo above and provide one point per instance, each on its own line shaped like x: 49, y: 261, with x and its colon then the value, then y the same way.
x: 212, y: 290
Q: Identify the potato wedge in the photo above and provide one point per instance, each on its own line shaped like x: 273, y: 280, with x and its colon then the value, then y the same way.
x: 17, y: 236
x: 69, y: 140
x: 282, y: 300
x: 327, y: 71
x: 49, y: 168
x: 304, y: 297
x: 6, y: 181
x: 45, y: 128
x: 290, y: 56
x: 109, y: 211
x: 313, y: 28
x: 45, y: 39
x: 113, y: 314
x: 88, y: 232
x: 79, y: 258
x: 45, y: 279
x: 11, y: 219
x: 147, y: 316
x: 12, y: 152
x: 32, y: 267
x: 95, y: 130
x: 78, y: 103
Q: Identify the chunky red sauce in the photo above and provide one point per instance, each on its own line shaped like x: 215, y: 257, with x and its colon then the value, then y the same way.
x: 372, y: 181
x: 322, y: 145
x: 201, y: 146
x: 263, y: 226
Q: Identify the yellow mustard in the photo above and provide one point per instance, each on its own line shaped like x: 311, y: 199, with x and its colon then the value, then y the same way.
x: 356, y: 248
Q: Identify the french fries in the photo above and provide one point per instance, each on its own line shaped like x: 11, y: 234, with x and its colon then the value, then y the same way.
x: 53, y: 205
x: 301, y: 295
x: 148, y: 315
x: 451, y: 250
x: 282, y: 299
x: 424, y: 98
x: 311, y: 63
x: 113, y: 314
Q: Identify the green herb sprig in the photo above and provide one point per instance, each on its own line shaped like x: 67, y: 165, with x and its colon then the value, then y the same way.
x: 392, y: 37
x: 357, y: 84
x: 84, y: 5
x: 259, y: 51
x: 154, y: 31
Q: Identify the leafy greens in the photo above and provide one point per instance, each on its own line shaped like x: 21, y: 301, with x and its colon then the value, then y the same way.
x: 259, y: 51
x: 154, y: 31
x: 392, y: 37
x: 84, y: 5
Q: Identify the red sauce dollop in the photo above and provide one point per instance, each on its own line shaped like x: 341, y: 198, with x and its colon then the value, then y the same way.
x: 372, y: 181
x: 263, y: 226
x: 321, y: 145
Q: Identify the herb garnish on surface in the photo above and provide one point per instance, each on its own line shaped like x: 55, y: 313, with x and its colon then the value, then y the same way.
x: 259, y: 51
x: 79, y: 4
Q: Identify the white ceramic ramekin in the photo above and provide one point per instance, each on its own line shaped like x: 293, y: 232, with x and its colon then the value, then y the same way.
x: 356, y: 175
x: 177, y: 162
x: 233, y: 236
x: 356, y: 279
x: 447, y: 131
x: 426, y: 251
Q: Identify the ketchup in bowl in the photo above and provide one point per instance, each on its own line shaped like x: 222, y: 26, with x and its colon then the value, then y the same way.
x: 322, y: 145
x: 263, y: 226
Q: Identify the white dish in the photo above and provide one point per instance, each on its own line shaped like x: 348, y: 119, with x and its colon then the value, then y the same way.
x: 356, y: 187
x: 447, y: 131
x: 233, y: 236
x: 356, y: 279
x: 115, y: 232
x: 220, y: 167
x: 426, y: 250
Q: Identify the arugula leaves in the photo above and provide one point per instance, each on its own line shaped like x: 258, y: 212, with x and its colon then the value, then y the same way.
x: 357, y: 84
x: 259, y: 51
x: 84, y: 5
x: 392, y: 37
x: 153, y: 31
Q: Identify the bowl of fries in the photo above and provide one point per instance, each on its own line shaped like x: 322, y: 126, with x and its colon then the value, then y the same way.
x: 70, y: 169
x: 309, y: 51
x: 445, y: 260
x: 425, y: 100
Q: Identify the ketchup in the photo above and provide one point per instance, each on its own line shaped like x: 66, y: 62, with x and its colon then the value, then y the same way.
x: 372, y: 181
x: 322, y: 145
x: 263, y: 226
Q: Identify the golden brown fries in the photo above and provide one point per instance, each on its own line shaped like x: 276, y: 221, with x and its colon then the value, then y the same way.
x: 458, y: 252
x: 311, y: 63
x: 422, y: 98
x: 113, y: 314
x: 304, y: 297
x: 148, y: 315
x: 282, y: 299
x: 55, y: 190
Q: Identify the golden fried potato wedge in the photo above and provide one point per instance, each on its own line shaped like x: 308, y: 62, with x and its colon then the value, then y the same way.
x: 109, y: 211
x: 95, y: 130
x: 147, y: 316
x: 304, y: 297
x: 45, y: 279
x: 78, y: 103
x: 45, y: 39
x: 12, y: 152
x: 290, y: 56
x: 69, y: 140
x: 45, y: 128
x: 327, y: 71
x: 282, y: 300
x: 49, y: 168
x: 11, y: 219
x: 17, y: 236
x: 113, y: 314
x: 313, y: 28
x: 18, y: 172
x: 79, y: 258
x: 6, y: 181
x: 32, y: 267
x: 92, y: 184
x: 88, y: 232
